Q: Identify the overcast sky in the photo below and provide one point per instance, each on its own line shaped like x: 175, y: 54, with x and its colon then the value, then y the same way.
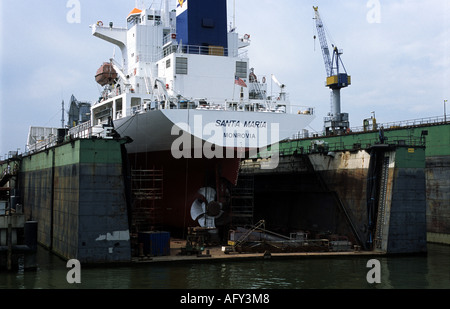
x: 397, y: 53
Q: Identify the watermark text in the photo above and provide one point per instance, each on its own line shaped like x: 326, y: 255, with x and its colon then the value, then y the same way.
x: 74, y: 274
x: 74, y: 14
x: 374, y: 14
x: 374, y: 274
x: 226, y: 139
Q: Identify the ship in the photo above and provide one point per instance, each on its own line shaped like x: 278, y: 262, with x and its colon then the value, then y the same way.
x: 184, y: 93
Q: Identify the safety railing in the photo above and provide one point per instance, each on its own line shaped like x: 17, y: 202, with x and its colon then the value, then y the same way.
x: 83, y: 130
x: 402, y: 124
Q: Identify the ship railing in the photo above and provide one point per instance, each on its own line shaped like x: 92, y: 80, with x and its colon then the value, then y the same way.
x: 412, y: 141
x: 42, y: 144
x: 262, y: 106
x: 195, y: 50
x: 83, y: 130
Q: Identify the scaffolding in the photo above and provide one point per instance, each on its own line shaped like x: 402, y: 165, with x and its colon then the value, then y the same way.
x: 147, y: 189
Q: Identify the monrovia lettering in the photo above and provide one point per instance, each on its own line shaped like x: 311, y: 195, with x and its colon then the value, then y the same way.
x: 226, y: 139
x: 239, y: 135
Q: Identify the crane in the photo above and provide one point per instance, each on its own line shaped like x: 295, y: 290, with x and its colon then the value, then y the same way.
x: 337, y: 122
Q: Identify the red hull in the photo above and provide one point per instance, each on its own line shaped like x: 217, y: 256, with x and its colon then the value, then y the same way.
x: 179, y: 188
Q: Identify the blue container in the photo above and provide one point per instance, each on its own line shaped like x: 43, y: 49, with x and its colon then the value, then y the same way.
x: 155, y: 243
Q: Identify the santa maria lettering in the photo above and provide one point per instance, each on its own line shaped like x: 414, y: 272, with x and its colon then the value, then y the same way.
x: 238, y: 123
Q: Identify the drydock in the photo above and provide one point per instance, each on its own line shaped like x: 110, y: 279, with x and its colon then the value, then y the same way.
x: 373, y: 192
x: 94, y: 195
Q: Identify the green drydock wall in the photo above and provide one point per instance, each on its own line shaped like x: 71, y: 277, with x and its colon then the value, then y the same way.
x: 76, y: 192
x: 407, y: 217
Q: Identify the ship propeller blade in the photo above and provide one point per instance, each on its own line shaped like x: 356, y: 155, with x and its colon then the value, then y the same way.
x: 208, y: 193
x: 206, y: 209
x: 197, y: 209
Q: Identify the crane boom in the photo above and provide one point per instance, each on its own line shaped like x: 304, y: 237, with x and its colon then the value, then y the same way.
x: 323, y: 42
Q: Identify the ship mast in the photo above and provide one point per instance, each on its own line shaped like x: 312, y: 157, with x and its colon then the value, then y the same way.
x: 62, y: 118
x: 166, y: 14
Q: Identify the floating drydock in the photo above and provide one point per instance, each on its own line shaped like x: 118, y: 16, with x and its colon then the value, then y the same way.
x: 380, y: 191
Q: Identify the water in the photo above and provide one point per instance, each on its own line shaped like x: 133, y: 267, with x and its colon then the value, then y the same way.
x: 431, y: 271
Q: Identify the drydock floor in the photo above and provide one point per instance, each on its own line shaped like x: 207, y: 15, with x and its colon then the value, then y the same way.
x: 215, y: 254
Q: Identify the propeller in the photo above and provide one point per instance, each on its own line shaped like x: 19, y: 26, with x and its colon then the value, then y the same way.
x: 205, y: 209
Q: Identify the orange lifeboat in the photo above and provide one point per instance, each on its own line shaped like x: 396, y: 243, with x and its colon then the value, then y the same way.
x: 106, y: 74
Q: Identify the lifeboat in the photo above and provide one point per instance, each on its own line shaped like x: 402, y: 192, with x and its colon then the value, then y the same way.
x: 106, y: 74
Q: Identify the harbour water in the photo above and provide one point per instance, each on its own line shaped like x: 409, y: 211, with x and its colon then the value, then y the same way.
x: 430, y: 271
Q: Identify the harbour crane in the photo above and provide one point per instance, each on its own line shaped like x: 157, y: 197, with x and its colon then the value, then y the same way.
x: 337, y: 78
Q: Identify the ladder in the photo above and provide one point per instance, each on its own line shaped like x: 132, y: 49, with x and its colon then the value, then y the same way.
x: 382, y: 203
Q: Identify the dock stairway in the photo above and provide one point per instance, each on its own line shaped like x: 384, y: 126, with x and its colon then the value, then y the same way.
x: 7, y: 174
x: 4, y: 179
x: 381, y: 211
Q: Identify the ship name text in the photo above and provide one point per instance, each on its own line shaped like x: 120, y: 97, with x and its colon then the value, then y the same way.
x: 238, y: 123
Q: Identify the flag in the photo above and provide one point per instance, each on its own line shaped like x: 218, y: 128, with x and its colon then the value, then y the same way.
x: 239, y: 81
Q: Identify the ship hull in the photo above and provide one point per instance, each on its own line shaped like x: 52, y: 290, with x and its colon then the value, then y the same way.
x: 161, y: 130
x: 191, y: 150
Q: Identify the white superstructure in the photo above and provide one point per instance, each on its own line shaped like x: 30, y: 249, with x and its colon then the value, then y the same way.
x: 160, y: 82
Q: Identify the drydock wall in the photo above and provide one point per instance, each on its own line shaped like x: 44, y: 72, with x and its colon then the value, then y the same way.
x: 332, y: 195
x: 76, y: 193
x: 438, y: 199
x: 407, y: 228
x: 438, y: 183
x: 401, y: 194
x: 435, y: 137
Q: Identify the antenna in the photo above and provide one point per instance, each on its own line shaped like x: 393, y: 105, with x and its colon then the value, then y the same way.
x: 62, y: 118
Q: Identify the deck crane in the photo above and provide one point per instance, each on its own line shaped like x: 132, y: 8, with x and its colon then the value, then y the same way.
x: 336, y: 122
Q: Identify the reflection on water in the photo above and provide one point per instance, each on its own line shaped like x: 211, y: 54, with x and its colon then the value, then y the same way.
x: 416, y: 272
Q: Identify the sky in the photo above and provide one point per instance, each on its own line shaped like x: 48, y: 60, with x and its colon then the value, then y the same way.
x: 397, y: 53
